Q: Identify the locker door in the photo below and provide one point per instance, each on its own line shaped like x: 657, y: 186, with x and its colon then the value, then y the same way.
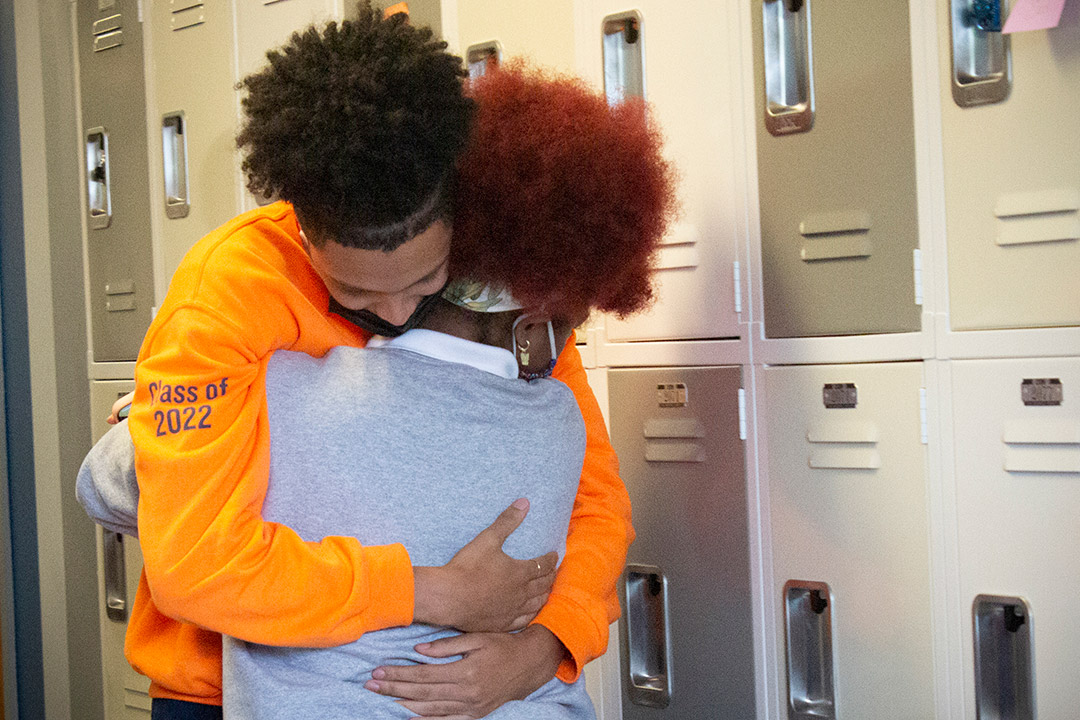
x: 119, y: 567
x: 262, y: 25
x: 192, y: 60
x: 850, y: 541
x: 1012, y: 175
x: 686, y: 633
x: 540, y: 30
x: 117, y: 180
x: 680, y: 59
x: 1018, y: 499
x: 836, y: 167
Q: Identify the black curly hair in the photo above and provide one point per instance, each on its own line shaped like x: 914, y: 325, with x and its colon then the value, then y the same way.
x: 358, y: 125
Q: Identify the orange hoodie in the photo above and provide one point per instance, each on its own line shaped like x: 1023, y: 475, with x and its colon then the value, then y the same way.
x: 199, y: 423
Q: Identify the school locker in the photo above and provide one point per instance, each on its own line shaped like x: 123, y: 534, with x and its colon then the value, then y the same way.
x: 1017, y: 440
x: 494, y: 30
x: 193, y: 105
x: 262, y: 26
x: 1012, y: 172
x: 680, y: 60
x: 848, y: 516
x: 836, y: 167
x: 686, y: 633
x: 119, y: 566
x: 110, y: 50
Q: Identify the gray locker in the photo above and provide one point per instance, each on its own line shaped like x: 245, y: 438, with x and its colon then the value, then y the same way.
x: 680, y: 61
x: 119, y: 567
x: 687, y: 628
x: 1017, y: 440
x: 1012, y: 173
x: 120, y: 252
x: 836, y: 167
x: 195, y: 107
x: 850, y: 541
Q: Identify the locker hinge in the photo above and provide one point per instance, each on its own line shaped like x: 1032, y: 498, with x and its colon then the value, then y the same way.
x: 742, y: 414
x: 924, y: 430
x: 917, y: 264
x: 138, y: 7
x: 738, y: 287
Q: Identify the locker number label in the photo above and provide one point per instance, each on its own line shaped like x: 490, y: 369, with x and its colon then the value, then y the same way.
x: 1042, y: 391
x: 671, y: 395
x: 840, y: 395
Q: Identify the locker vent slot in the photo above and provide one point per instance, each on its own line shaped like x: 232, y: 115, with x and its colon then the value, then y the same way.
x: 1038, y: 217
x: 835, y: 236
x: 272, y: 2
x: 647, y: 658
x: 482, y: 56
x: 98, y: 193
x: 1042, y: 391
x: 624, y: 70
x: 186, y: 14
x: 174, y: 156
x: 137, y: 700
x: 980, y: 56
x: 107, y: 33
x: 789, y: 83
x: 808, y: 635
x: 106, y: 4
x: 1004, y: 661
x: 1042, y: 446
x: 674, y: 428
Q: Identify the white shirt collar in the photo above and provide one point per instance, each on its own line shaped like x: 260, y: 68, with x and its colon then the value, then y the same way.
x: 449, y: 348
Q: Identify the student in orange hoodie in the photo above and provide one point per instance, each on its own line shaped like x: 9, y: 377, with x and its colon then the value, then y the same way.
x: 357, y: 127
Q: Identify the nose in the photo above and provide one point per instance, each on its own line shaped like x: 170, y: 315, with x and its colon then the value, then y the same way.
x: 395, y: 309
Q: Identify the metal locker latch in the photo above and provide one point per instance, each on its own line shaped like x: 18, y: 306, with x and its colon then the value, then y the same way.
x: 1004, y: 663
x: 980, y: 53
x: 808, y: 626
x: 98, y: 193
x: 624, y: 66
x: 648, y: 655
x: 481, y: 57
x: 174, y: 156
x: 115, y: 576
x: 789, y: 84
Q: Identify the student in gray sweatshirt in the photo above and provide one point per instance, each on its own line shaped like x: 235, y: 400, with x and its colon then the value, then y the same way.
x: 423, y: 439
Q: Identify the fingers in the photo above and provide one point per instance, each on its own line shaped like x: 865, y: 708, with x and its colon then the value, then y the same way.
x: 508, y: 521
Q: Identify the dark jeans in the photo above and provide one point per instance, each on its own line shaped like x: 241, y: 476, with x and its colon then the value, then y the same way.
x: 164, y: 709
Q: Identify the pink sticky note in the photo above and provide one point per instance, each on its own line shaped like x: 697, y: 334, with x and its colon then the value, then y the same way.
x: 1034, y: 15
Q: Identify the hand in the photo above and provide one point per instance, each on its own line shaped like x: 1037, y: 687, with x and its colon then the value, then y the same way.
x: 482, y: 589
x: 114, y: 414
x: 496, y: 668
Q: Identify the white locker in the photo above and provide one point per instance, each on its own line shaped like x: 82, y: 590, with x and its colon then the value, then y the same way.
x: 262, y: 26
x: 680, y: 58
x: 540, y: 30
x: 1012, y: 172
x: 850, y: 541
x: 1017, y: 442
x: 192, y: 59
x: 119, y: 566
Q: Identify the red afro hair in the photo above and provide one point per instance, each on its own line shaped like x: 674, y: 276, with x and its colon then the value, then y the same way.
x: 561, y: 198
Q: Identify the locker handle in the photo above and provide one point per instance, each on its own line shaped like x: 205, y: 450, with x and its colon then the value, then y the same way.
x: 481, y: 57
x: 648, y: 657
x: 624, y: 69
x: 789, y: 84
x: 98, y: 189
x: 175, y: 163
x: 808, y: 636
x: 1004, y: 657
x: 115, y: 576
x: 980, y: 54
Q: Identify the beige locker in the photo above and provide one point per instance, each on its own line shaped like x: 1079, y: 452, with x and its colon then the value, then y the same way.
x: 193, y: 103
x: 681, y: 60
x: 119, y: 566
x: 1012, y: 173
x: 541, y: 31
x: 1017, y: 441
x: 850, y: 540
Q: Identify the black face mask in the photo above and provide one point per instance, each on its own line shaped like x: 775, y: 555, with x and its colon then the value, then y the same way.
x: 367, y: 320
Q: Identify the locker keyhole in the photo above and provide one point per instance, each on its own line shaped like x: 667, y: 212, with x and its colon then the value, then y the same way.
x: 655, y: 586
x: 1013, y: 620
x: 818, y: 603
x: 631, y: 32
